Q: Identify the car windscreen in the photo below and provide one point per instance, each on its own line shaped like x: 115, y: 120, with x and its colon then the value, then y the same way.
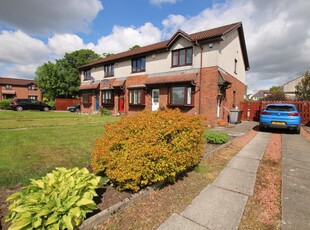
x: 280, y: 108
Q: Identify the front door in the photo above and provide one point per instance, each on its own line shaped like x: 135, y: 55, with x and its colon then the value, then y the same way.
x: 121, y: 102
x: 155, y: 99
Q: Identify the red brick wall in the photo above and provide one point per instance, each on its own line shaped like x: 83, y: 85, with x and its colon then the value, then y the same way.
x: 24, y: 92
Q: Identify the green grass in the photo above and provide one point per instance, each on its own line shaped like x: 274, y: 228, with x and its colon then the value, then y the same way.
x: 33, y: 143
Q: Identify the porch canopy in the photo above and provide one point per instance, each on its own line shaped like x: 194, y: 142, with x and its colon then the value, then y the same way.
x: 157, y: 80
x: 89, y: 86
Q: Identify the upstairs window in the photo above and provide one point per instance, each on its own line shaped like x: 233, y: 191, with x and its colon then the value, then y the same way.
x: 109, y: 70
x: 87, y: 74
x: 32, y: 87
x: 181, y: 95
x: 138, y: 65
x: 8, y: 87
x: 33, y: 97
x: 182, y: 57
x: 107, y: 97
x: 136, y: 97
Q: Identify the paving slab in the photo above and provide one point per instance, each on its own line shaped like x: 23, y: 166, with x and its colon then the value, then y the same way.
x: 244, y: 163
x: 295, y: 195
x: 296, y: 203
x: 296, y: 168
x: 256, y: 147
x: 216, y: 208
x: 177, y: 222
x: 236, y: 180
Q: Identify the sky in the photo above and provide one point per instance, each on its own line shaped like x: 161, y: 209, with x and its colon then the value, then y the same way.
x: 33, y: 32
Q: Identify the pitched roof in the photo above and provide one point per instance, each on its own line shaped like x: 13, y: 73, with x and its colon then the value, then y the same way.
x: 261, y: 93
x: 15, y: 81
x: 171, y: 79
x: 211, y: 34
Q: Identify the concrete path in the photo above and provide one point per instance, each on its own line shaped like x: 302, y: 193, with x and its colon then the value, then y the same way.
x: 221, y: 204
x: 295, y: 182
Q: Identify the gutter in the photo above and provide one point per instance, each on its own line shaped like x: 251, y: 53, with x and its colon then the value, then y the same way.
x: 200, y: 77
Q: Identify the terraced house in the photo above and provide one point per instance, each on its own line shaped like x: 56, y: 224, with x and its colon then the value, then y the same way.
x: 200, y: 73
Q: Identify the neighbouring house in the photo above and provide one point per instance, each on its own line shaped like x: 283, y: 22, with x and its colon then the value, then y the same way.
x: 18, y: 88
x: 289, y: 88
x: 260, y: 95
x: 200, y: 73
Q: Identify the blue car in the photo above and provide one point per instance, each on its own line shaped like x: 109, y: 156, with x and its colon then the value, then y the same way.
x: 280, y: 116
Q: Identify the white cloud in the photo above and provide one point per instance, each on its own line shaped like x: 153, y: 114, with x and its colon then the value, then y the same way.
x: 21, y: 71
x: 277, y: 35
x: 122, y: 38
x: 49, y: 16
x: 158, y: 2
x: 66, y: 43
x: 16, y: 47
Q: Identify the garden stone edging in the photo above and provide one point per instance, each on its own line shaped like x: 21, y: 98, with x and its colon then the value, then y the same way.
x: 100, y: 217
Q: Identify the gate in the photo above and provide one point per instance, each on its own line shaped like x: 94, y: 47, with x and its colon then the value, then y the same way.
x: 251, y: 110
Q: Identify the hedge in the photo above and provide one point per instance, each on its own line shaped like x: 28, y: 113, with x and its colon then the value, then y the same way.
x: 149, y: 147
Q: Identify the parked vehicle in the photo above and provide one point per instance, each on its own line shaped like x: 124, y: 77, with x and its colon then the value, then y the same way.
x: 280, y: 116
x: 74, y: 108
x: 20, y: 104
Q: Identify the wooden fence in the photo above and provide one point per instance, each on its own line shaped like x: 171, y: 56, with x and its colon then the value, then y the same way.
x: 252, y: 110
x: 63, y: 103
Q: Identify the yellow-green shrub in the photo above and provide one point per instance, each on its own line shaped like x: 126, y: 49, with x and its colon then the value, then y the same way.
x: 148, y: 147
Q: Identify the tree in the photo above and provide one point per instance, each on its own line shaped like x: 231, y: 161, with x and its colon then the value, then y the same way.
x: 62, y: 78
x: 276, y: 94
x: 135, y: 47
x: 303, y: 88
x: 105, y: 55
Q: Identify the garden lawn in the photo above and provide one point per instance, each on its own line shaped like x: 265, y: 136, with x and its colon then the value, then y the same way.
x: 33, y: 143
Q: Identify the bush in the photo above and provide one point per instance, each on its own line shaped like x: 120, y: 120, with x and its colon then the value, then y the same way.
x: 52, y: 104
x: 216, y: 137
x: 5, y: 104
x: 104, y: 111
x: 148, y: 147
x: 60, y: 200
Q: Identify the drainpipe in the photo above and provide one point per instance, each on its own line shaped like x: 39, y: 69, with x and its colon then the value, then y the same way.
x: 200, y: 77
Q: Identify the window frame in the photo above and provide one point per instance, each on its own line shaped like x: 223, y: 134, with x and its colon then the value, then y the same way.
x: 138, y: 62
x: 32, y: 87
x: 87, y: 94
x: 8, y: 87
x: 131, y: 96
x: 185, y: 99
x: 109, y: 70
x: 178, y: 52
x: 104, y: 94
x: 87, y: 74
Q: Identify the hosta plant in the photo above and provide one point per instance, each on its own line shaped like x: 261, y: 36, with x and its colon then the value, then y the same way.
x: 60, y: 200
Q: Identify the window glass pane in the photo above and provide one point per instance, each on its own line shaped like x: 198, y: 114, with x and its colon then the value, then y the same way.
x: 143, y: 64
x: 177, y: 95
x: 182, y: 57
x: 175, y: 56
x: 189, y: 56
x: 189, y: 95
x: 134, y: 66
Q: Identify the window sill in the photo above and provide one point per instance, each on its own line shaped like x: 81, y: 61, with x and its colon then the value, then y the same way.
x: 137, y: 105
x: 138, y: 71
x: 176, y: 66
x: 182, y: 105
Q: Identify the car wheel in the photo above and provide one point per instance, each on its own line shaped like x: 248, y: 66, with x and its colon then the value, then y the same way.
x: 297, y: 131
x: 19, y: 108
x: 77, y: 111
x: 46, y: 109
